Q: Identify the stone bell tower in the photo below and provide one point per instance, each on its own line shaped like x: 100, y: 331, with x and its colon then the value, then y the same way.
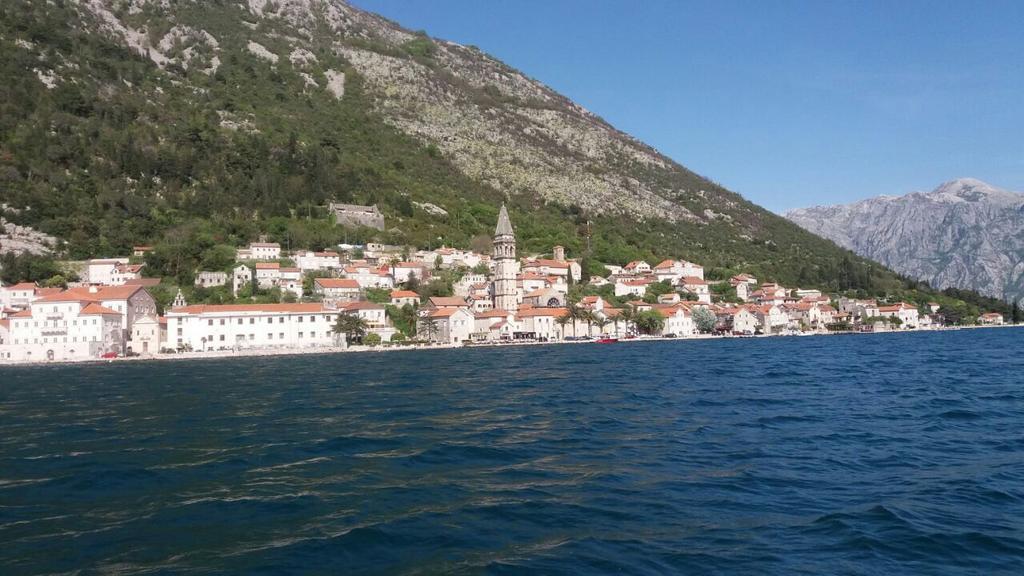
x: 505, y: 296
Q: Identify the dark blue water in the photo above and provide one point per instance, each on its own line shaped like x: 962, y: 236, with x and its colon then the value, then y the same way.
x: 884, y: 454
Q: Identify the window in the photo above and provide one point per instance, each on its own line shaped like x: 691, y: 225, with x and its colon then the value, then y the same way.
x: 221, y: 321
x: 281, y: 336
x: 280, y: 320
x: 239, y: 320
x: 252, y: 320
x: 221, y: 337
x: 300, y: 318
x: 270, y: 336
x: 300, y: 334
x: 209, y: 322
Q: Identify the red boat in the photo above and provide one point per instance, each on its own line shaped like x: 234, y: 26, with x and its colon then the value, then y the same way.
x: 606, y: 340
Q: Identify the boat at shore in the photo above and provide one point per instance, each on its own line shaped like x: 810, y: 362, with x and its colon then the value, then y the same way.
x: 606, y: 340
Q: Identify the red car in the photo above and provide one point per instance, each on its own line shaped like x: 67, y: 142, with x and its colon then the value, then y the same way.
x: 109, y: 355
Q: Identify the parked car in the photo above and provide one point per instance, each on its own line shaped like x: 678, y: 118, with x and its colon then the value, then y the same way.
x: 109, y: 355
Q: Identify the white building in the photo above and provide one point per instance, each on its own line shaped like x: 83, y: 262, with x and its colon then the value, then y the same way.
x: 451, y: 325
x: 260, y: 251
x: 111, y: 271
x: 375, y: 316
x: 907, y: 314
x: 632, y: 286
x: 268, y: 274
x: 238, y: 326
x: 148, y: 335
x: 401, y: 298
x: 241, y: 276
x: 66, y: 328
x: 334, y: 290
x: 697, y: 287
x: 541, y: 323
x: 315, y: 261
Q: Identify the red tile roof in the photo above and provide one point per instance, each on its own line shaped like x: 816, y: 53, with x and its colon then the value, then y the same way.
x: 448, y: 302
x: 95, y: 309
x: 336, y: 283
x: 404, y: 294
x: 87, y: 293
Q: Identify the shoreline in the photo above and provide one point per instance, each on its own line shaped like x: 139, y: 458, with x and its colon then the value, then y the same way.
x: 273, y: 352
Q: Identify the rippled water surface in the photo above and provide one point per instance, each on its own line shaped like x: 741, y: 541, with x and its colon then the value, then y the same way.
x: 884, y: 454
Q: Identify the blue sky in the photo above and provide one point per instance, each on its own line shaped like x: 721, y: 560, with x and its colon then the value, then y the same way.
x: 788, y: 103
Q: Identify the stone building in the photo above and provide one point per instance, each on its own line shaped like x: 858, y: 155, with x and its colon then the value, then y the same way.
x: 356, y: 215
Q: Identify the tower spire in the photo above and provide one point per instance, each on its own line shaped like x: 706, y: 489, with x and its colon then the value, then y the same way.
x: 504, y: 227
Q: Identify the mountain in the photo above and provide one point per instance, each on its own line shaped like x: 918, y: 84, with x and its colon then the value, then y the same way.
x: 964, y: 234
x: 195, y: 126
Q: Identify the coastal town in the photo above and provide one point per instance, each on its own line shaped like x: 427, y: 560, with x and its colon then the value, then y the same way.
x: 373, y: 295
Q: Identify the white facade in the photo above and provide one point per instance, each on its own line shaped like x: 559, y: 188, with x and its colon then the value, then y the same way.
x: 313, y: 261
x: 63, y: 330
x: 240, y: 326
x: 454, y: 325
x: 209, y: 279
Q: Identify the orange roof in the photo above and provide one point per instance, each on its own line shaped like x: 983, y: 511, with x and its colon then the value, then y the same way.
x: 445, y: 312
x: 336, y: 283
x: 665, y: 264
x: 23, y: 314
x: 693, y: 281
x: 496, y: 313
x: 142, y: 248
x: 86, y: 293
x: 5, y: 323
x: 404, y: 294
x: 299, y: 308
x: 637, y: 282
x: 97, y: 310
x: 23, y: 286
x: 145, y: 282
x: 448, y: 301
x: 532, y: 312
x: 267, y: 266
x: 547, y: 263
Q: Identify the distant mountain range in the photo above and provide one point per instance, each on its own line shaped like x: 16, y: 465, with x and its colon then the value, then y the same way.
x: 964, y: 234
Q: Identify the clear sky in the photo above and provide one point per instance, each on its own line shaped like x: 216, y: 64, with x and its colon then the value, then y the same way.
x: 788, y: 103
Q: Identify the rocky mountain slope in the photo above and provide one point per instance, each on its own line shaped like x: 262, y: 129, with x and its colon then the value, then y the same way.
x: 964, y: 234
x: 197, y: 125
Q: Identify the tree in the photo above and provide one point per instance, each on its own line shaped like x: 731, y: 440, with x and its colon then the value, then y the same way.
x: 574, y: 313
x: 428, y: 327
x: 378, y: 295
x: 627, y: 316
x: 372, y: 339
x: 649, y: 322
x: 1015, y: 313
x: 601, y: 322
x: 704, y: 319
x: 562, y: 321
x: 352, y: 326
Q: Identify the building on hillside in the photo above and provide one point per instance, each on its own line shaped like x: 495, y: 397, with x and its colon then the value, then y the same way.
x: 141, y: 250
x: 5, y: 334
x: 632, y: 286
x: 211, y: 279
x: 402, y: 272
x: 68, y: 328
x: 148, y: 335
x: 494, y: 326
x: 337, y: 290
x: 243, y: 326
x: 440, y: 302
x: 111, y: 271
x: 696, y: 286
x: 19, y: 296
x: 737, y: 320
x: 268, y: 275
x: 291, y: 281
x: 506, y: 297
x: 241, y: 277
x: 317, y: 261
x: 357, y: 215
x: 259, y: 251
x: 678, y: 320
x: 637, y: 268
x: 401, y: 298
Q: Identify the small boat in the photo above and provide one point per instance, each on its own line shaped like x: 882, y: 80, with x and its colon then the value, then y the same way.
x: 606, y: 340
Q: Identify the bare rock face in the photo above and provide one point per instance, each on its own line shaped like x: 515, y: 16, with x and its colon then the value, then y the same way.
x: 964, y: 234
x: 22, y: 239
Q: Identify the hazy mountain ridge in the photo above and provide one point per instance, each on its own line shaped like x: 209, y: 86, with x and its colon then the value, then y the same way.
x: 963, y: 234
